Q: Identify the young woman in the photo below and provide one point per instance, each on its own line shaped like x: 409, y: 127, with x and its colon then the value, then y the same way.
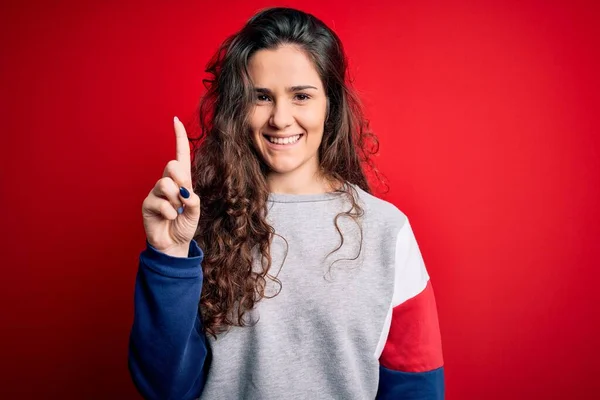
x: 270, y: 271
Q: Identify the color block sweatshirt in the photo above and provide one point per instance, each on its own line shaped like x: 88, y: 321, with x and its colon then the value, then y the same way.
x: 356, y: 323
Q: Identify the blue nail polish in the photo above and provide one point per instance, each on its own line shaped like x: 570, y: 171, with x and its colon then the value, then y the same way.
x: 184, y: 192
x: 180, y: 210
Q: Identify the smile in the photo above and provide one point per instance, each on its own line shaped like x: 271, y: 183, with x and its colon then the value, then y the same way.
x: 283, y: 141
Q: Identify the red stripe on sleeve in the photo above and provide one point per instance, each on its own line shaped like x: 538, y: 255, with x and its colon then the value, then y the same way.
x: 414, y: 343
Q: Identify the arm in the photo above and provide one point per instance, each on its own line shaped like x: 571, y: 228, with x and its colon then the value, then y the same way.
x: 411, y: 362
x: 167, y: 348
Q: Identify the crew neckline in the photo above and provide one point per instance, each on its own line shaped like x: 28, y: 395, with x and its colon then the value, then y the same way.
x: 305, y: 198
x: 302, y: 198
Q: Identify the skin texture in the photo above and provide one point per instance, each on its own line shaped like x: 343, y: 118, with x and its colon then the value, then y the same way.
x: 290, y: 100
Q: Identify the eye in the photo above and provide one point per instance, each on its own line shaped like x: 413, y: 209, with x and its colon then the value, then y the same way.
x: 302, y: 97
x: 262, y: 97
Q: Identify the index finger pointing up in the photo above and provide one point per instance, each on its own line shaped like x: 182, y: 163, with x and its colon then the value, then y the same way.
x: 182, y: 145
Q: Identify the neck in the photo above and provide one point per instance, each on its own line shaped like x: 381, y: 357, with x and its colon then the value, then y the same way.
x: 299, y: 181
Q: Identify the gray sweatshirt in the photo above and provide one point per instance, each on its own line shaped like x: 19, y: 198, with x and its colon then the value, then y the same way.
x: 356, y: 323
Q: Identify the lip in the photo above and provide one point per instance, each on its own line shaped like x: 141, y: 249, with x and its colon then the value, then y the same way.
x: 283, y: 136
x: 276, y: 146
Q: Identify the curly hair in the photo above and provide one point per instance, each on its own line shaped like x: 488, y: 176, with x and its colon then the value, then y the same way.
x: 229, y: 175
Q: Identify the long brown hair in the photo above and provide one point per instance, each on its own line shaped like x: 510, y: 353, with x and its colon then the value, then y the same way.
x: 230, y: 177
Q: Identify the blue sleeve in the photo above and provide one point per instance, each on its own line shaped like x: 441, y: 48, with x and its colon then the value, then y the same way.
x: 411, y: 385
x: 167, y: 347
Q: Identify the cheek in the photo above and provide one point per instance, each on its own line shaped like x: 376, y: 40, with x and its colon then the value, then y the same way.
x: 258, y: 118
x: 312, y: 120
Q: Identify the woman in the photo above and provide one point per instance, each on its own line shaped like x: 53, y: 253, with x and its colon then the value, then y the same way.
x: 279, y: 276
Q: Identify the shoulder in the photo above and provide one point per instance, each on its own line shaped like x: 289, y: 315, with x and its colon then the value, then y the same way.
x: 379, y: 212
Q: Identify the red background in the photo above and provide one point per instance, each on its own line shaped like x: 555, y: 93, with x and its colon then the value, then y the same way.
x: 487, y: 114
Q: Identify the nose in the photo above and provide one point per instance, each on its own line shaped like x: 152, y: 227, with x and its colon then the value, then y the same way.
x: 281, y: 116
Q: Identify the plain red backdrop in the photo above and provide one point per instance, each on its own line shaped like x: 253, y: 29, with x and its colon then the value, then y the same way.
x: 487, y: 114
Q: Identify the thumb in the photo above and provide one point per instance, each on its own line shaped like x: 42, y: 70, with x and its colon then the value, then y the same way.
x: 191, y: 202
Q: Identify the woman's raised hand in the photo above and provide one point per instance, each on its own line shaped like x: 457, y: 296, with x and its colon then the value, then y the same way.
x: 171, y: 210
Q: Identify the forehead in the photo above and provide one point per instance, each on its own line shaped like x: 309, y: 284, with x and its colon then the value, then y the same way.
x: 284, y: 66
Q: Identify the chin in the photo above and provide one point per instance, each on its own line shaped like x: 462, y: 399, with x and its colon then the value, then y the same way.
x: 284, y: 167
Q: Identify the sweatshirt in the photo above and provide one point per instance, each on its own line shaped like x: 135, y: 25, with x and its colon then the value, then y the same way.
x: 358, y: 323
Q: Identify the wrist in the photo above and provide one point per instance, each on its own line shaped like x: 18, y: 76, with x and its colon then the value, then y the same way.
x: 175, y: 250
x: 181, y: 251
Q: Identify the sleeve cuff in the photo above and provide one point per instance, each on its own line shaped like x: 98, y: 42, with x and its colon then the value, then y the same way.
x: 175, y: 267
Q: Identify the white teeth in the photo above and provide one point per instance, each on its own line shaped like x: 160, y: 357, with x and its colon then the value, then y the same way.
x: 288, y: 140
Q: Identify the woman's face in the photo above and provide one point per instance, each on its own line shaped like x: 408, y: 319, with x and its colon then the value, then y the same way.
x: 289, y: 111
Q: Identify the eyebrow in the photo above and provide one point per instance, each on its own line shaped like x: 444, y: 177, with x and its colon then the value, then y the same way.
x: 289, y: 89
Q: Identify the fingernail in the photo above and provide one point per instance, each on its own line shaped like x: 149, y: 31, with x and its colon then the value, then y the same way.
x: 175, y: 119
x: 180, y: 210
x: 184, y: 192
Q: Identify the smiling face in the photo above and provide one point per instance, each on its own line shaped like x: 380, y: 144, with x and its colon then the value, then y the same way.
x: 288, y: 116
